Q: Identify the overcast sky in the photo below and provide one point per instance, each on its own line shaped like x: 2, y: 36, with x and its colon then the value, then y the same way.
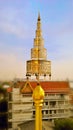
x: 18, y: 20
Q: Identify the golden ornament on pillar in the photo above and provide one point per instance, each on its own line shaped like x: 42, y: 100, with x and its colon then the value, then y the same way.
x: 38, y: 96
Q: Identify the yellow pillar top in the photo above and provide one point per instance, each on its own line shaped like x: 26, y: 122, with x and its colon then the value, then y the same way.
x: 38, y: 93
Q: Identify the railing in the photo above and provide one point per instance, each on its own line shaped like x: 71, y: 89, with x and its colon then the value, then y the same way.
x: 58, y: 115
x: 20, y: 119
x: 55, y: 98
x: 55, y: 107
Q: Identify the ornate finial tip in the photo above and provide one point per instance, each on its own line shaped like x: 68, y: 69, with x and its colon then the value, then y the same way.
x: 38, y: 83
x: 39, y: 17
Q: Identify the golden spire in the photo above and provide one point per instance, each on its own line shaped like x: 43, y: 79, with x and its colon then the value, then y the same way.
x: 39, y: 16
x: 38, y: 30
x: 38, y: 65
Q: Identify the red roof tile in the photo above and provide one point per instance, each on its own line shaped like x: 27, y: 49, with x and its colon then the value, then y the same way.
x: 9, y: 89
x: 52, y: 86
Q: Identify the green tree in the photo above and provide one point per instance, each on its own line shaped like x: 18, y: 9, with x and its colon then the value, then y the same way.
x: 64, y: 124
x: 3, y: 109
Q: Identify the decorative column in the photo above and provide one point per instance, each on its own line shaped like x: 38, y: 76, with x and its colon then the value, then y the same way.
x: 38, y: 96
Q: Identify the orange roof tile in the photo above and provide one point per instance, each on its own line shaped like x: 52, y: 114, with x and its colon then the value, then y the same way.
x: 52, y: 86
x: 9, y: 89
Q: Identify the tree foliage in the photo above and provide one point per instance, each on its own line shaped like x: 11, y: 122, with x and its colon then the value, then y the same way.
x: 64, y: 124
x: 3, y: 109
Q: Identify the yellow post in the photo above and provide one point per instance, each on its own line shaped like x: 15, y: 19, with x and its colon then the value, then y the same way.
x: 38, y: 95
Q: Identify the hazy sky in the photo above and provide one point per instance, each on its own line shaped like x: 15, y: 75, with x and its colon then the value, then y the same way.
x: 18, y: 20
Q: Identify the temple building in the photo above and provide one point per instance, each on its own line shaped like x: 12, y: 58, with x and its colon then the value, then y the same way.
x: 57, y: 93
